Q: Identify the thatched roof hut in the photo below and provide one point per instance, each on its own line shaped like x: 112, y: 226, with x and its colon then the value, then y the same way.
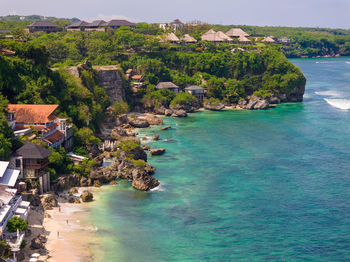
x: 243, y: 39
x: 172, y: 38
x: 236, y: 32
x: 269, y: 39
x: 188, y: 39
x: 213, y: 36
x: 223, y: 36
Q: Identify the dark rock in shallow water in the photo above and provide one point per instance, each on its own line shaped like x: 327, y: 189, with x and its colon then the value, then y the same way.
x: 155, y: 137
x: 142, y: 181
x: 179, y: 113
x: 168, y: 112
x: 86, y: 196
x: 165, y: 128
x: 157, y: 151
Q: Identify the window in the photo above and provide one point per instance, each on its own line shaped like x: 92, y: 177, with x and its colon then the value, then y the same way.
x: 18, y: 163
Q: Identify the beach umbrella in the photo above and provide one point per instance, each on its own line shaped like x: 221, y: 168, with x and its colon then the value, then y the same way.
x: 35, y: 255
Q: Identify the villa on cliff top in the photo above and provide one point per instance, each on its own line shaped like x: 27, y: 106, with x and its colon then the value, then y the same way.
x: 54, y: 131
x: 99, y: 25
x: 168, y: 85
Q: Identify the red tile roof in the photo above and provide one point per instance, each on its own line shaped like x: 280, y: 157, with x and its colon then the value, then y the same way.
x: 33, y: 113
x: 54, y: 137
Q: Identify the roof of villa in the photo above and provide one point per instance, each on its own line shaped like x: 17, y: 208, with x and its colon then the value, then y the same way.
x: 33, y: 113
x: 166, y: 85
x: 43, y: 23
x: 189, y: 39
x: 236, y: 32
x: 119, y: 23
x: 33, y: 151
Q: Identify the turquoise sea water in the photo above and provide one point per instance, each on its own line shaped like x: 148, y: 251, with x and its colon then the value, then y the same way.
x: 244, y: 185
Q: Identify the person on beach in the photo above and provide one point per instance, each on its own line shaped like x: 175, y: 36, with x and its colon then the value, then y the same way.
x: 58, y: 234
x: 67, y: 221
x: 59, y: 209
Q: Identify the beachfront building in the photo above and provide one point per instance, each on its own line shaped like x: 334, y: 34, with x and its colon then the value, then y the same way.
x: 11, y: 205
x: 43, y: 26
x: 197, y: 91
x: 32, y: 162
x: 54, y: 131
x: 99, y: 25
x: 168, y: 85
x: 284, y: 40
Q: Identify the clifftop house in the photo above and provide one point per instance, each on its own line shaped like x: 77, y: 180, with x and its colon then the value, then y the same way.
x: 44, y: 26
x: 53, y: 130
x: 168, y: 85
x: 99, y: 25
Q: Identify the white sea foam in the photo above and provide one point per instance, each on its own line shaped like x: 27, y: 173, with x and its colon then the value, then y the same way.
x: 339, y: 103
x: 347, y: 62
x: 328, y: 93
x: 322, y: 62
x: 158, y: 188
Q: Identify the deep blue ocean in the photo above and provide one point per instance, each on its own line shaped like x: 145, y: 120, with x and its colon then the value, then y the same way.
x: 268, y: 185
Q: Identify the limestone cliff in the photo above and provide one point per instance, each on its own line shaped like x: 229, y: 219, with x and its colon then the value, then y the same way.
x: 112, y: 81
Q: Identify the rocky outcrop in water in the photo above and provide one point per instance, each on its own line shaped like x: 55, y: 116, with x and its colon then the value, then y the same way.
x: 213, y: 107
x: 48, y: 201
x: 86, y: 196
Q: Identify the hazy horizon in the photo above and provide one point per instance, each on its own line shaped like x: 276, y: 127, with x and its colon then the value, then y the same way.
x: 298, y: 13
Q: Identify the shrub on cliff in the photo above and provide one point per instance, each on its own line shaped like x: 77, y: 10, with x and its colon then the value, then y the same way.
x: 158, y: 98
x: 17, y: 223
x: 183, y: 99
x: 120, y: 108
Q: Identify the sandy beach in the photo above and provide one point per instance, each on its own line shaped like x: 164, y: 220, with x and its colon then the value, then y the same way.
x: 69, y: 233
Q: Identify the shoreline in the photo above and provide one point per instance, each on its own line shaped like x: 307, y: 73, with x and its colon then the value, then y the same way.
x: 64, y: 226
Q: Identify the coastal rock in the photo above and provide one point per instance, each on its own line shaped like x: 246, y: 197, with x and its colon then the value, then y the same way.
x: 262, y: 104
x: 125, y: 170
x: 274, y: 100
x: 123, y: 119
x: 73, y: 190
x: 154, y: 120
x: 179, y: 113
x: 138, y: 122
x: 252, y: 102
x: 165, y: 128
x: 159, y: 111
x: 142, y: 181
x: 48, y: 201
x: 168, y: 112
x: 113, y: 182
x: 97, y: 183
x: 155, y: 137
x: 84, y: 182
x: 242, y: 103
x: 216, y: 107
x: 65, y: 182
x: 87, y: 196
x: 145, y: 147
x: 157, y: 151
x: 118, y: 132
x: 38, y: 242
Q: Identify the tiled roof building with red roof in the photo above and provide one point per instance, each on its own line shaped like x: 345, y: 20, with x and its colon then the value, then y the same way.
x: 53, y: 130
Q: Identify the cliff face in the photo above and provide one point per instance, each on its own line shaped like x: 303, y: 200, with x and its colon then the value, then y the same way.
x: 111, y: 80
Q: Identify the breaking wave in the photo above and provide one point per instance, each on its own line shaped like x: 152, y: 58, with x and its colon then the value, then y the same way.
x: 339, y: 103
x: 327, y: 93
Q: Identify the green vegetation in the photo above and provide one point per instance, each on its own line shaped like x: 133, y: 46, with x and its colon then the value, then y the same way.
x: 120, y: 108
x: 140, y: 164
x: 4, y: 249
x: 17, y: 223
x: 183, y: 99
